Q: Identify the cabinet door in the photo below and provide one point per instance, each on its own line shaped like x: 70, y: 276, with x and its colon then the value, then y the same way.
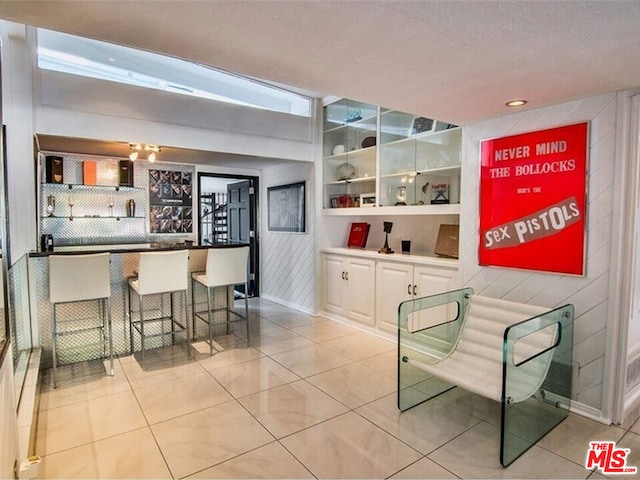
x: 394, y: 283
x: 334, y: 284
x: 361, y: 282
x: 429, y: 281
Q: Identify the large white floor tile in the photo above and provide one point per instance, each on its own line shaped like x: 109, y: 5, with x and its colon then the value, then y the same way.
x: 349, y: 446
x: 161, y: 370
x: 324, y: 330
x: 475, y: 454
x: 77, y: 424
x: 162, y: 401
x: 570, y: 439
x: 354, y: 384
x: 478, y: 406
x: 384, y: 363
x: 229, y: 354
x: 310, y: 360
x: 292, y: 407
x: 205, y: 438
x: 130, y: 455
x: 425, y: 427
x: 270, y: 461
x: 278, y: 346
x: 293, y: 319
x: 360, y: 345
x: 424, y: 468
x: 253, y: 376
x: 81, y: 388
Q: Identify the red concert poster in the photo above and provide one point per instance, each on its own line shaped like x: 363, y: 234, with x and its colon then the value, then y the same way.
x: 533, y: 200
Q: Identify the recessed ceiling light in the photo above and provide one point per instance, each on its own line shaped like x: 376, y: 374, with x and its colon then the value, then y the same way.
x: 516, y: 103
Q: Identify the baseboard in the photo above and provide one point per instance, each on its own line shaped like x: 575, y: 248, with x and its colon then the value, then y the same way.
x: 294, y: 306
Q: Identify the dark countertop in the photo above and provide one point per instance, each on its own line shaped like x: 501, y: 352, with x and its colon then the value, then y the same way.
x: 129, y: 248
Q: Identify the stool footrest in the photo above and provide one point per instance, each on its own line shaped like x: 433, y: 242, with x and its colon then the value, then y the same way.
x: 79, y: 330
x: 200, y: 316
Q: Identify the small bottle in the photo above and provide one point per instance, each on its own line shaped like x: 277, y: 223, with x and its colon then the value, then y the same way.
x: 131, y: 208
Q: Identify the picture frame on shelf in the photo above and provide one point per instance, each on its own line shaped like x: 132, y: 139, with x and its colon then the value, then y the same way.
x: 368, y: 199
x: 342, y: 201
x: 421, y: 125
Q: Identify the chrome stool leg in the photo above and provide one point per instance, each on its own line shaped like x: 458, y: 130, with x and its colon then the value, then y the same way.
x: 108, y: 301
x: 141, y: 329
x: 54, y: 337
x: 210, y: 321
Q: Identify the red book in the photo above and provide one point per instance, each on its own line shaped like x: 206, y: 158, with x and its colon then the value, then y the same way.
x: 358, y: 235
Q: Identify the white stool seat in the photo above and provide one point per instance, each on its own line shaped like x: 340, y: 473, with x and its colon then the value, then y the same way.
x: 226, y: 267
x: 79, y: 278
x: 159, y: 273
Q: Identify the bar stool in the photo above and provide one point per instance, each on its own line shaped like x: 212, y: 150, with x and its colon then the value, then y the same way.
x: 159, y: 273
x: 79, y: 278
x: 225, y: 267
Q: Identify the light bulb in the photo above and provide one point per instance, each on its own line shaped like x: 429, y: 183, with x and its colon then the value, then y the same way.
x: 152, y: 157
x: 133, y: 156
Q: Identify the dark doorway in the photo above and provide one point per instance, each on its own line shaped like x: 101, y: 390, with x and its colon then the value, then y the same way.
x: 227, y: 213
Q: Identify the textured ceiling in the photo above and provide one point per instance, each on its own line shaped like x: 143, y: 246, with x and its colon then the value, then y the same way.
x: 458, y: 61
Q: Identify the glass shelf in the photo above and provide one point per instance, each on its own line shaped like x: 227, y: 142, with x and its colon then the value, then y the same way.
x: 352, y: 180
x: 443, y: 171
x: 81, y: 186
x: 90, y: 217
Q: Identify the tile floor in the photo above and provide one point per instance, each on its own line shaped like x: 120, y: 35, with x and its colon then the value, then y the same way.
x: 310, y: 398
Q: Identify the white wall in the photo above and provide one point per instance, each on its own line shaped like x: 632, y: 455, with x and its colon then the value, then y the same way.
x: 84, y: 107
x: 288, y: 259
x: 17, y: 115
x: 590, y: 294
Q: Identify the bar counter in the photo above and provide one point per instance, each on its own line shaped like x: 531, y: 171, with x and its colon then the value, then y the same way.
x: 130, y: 248
x: 124, y: 265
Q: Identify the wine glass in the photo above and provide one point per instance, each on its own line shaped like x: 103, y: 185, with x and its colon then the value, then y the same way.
x: 51, y: 205
x: 110, y: 203
x: 71, y: 203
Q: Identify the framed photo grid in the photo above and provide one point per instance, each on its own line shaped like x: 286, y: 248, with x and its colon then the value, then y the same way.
x: 287, y: 208
x: 170, y: 201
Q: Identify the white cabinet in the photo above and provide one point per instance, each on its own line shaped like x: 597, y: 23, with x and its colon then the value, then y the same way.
x: 397, y: 282
x: 349, y: 287
x: 367, y: 287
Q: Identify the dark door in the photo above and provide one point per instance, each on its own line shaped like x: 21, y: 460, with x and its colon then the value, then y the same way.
x: 240, y: 198
x: 238, y: 211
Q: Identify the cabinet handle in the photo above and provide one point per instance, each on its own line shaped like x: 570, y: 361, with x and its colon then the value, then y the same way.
x: 343, y: 276
x: 347, y: 275
x: 415, y: 290
x: 409, y: 289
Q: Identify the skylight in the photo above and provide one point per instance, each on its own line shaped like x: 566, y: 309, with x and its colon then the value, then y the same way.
x: 91, y: 58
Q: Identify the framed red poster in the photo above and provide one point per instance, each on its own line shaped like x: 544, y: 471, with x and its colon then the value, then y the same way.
x: 533, y: 200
